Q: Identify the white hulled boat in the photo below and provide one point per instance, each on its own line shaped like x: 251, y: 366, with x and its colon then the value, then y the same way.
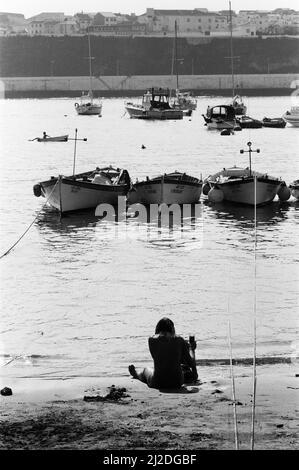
x: 170, y: 188
x: 220, y: 117
x: 155, y: 105
x: 88, y: 105
x: 182, y: 99
x: 238, y: 105
x: 84, y: 190
x: 244, y: 186
x: 292, y: 117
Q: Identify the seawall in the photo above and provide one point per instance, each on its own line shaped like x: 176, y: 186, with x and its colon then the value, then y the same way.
x: 135, y: 85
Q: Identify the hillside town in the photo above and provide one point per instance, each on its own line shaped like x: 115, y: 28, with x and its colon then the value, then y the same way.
x: 190, y: 23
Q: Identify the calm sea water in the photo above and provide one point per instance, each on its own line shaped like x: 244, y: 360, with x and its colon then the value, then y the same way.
x: 79, y: 297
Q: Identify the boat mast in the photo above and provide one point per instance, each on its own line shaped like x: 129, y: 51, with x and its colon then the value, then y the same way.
x: 231, y: 48
x: 90, y: 59
x: 176, y: 55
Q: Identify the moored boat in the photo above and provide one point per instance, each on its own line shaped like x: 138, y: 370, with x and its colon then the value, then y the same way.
x: 185, y: 102
x: 170, y: 188
x: 84, y: 190
x: 60, y: 138
x: 238, y: 185
x: 155, y: 105
x: 246, y: 122
x: 292, y: 117
x: 238, y: 105
x: 88, y: 106
x: 294, y: 187
x: 220, y: 117
x: 274, y: 122
x: 244, y: 186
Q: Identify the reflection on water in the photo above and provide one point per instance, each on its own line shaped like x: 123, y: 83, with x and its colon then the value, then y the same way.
x: 244, y: 216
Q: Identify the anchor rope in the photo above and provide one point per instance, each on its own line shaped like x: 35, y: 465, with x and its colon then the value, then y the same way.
x: 254, y: 379
x: 30, y: 225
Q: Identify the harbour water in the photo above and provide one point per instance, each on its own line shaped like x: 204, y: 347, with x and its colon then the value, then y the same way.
x: 80, y: 296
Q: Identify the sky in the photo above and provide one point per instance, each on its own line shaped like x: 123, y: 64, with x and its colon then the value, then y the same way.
x: 70, y: 7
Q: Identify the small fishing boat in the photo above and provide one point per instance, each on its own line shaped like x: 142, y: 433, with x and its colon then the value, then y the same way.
x: 155, y: 105
x: 237, y: 185
x: 88, y: 106
x: 294, y: 187
x: 292, y: 117
x: 220, y: 117
x: 60, y: 138
x: 170, y: 188
x: 246, y: 122
x: 274, y: 122
x: 244, y: 186
x: 85, y: 190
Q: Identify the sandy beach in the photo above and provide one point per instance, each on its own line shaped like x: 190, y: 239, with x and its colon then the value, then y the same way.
x: 53, y: 415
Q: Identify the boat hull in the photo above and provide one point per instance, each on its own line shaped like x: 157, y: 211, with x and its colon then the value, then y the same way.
x: 293, y: 120
x: 159, y: 192
x: 242, y: 191
x: 136, y: 112
x: 61, y: 138
x: 67, y: 195
x: 221, y: 125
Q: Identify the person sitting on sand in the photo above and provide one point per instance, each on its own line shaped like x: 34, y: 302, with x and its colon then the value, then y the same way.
x: 170, y: 354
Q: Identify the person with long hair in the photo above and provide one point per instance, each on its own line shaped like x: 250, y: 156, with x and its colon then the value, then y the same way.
x: 171, y: 356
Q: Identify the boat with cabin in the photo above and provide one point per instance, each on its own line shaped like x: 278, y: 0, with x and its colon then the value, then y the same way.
x: 88, y: 105
x: 292, y: 117
x: 170, y: 188
x: 85, y: 190
x: 220, y: 117
x: 155, y: 105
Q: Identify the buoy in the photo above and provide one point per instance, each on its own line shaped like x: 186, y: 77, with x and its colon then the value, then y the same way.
x: 37, y: 190
x: 215, y: 195
x: 6, y: 391
x: 143, y: 146
x: 284, y: 192
x: 206, y: 188
x: 226, y: 132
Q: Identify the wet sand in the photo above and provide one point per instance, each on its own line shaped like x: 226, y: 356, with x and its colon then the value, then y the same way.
x: 53, y: 415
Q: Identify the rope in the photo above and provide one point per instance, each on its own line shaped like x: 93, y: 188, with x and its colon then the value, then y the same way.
x: 29, y: 227
x: 233, y: 388
x: 254, y: 328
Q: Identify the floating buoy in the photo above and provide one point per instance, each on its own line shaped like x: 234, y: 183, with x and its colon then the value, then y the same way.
x: 215, y: 195
x: 226, y: 132
x: 37, y: 190
x: 206, y: 188
x: 143, y: 146
x: 284, y: 192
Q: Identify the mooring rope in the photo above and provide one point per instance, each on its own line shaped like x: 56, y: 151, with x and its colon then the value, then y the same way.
x: 233, y: 388
x: 254, y: 327
x: 30, y: 225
